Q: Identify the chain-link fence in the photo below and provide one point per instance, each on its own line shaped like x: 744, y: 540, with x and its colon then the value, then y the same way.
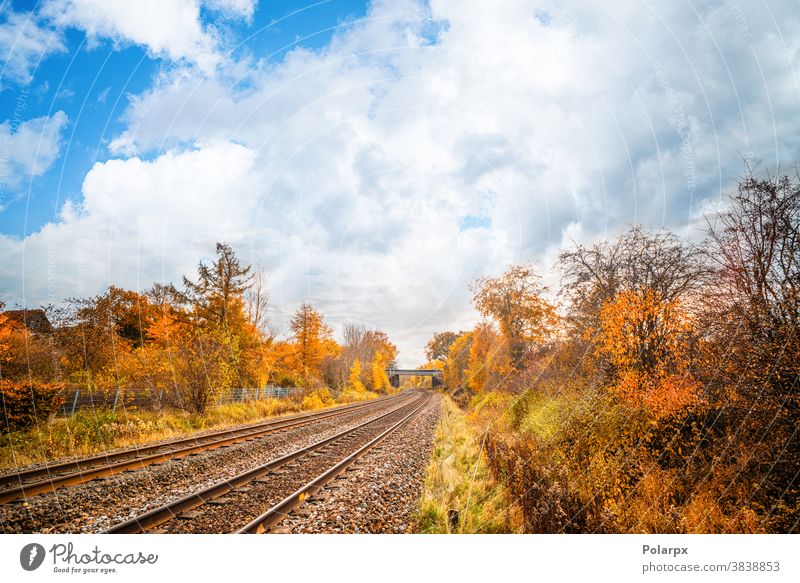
x: 150, y: 400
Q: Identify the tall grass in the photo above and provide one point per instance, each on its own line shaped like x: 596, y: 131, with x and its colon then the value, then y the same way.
x: 458, y: 479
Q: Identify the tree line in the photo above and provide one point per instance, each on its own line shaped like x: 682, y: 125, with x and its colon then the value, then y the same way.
x: 656, y: 390
x: 186, y: 343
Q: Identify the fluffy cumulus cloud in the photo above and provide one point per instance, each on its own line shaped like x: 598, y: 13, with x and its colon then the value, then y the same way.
x: 24, y: 42
x: 133, y: 212
x: 172, y: 30
x: 29, y: 148
x: 430, y: 144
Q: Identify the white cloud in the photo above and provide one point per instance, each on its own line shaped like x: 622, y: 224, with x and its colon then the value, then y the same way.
x: 29, y: 148
x: 172, y: 30
x: 24, y: 42
x: 429, y: 145
x: 233, y: 8
x: 132, y: 213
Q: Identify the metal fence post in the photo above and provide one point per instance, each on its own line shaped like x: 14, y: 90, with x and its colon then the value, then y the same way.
x: 116, y: 398
x: 75, y: 401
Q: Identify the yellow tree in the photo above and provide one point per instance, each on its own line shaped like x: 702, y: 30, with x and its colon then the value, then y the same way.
x: 488, y: 359
x: 515, y: 300
x: 457, y: 362
x: 6, y: 330
x: 355, y: 389
x: 188, y: 362
x: 380, y: 380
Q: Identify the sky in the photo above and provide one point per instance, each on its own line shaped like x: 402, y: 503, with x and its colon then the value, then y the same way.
x: 373, y: 158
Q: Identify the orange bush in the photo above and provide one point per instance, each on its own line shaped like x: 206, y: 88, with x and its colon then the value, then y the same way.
x: 26, y: 402
x: 647, y: 341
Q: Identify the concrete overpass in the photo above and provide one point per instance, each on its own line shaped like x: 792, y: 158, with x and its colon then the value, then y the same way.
x: 395, y: 374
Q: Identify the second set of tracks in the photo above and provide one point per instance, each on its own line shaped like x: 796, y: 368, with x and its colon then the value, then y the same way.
x: 256, y: 500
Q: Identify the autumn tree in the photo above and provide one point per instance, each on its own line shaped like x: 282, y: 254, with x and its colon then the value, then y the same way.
x: 6, y: 332
x: 218, y: 294
x: 373, y: 348
x: 94, y: 333
x: 516, y: 301
x: 29, y: 354
x: 439, y: 344
x: 190, y: 366
x: 354, y: 389
x: 753, y: 325
x: 313, y: 340
x: 636, y: 260
x: 648, y: 340
x: 379, y: 379
x: 456, y: 365
x: 488, y: 363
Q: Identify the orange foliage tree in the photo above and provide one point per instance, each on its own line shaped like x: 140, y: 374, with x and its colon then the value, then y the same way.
x: 488, y: 362
x: 26, y: 402
x: 648, y: 342
x: 516, y: 301
x: 456, y: 365
x: 313, y: 340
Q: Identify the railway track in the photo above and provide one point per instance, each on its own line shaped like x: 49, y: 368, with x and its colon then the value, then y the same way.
x: 20, y: 486
x: 261, y: 497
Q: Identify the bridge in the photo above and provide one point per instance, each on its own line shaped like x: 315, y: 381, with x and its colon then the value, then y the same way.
x: 395, y: 374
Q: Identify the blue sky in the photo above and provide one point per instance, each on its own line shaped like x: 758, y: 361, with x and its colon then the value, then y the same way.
x: 373, y: 158
x: 90, y: 83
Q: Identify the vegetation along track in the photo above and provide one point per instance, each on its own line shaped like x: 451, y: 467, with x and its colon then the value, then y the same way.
x: 26, y: 483
x: 259, y: 498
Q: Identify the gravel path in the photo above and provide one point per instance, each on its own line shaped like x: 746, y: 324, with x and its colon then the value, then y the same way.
x: 381, y: 491
x: 99, y: 504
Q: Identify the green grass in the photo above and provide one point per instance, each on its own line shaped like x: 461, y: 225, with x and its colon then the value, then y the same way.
x: 458, y: 478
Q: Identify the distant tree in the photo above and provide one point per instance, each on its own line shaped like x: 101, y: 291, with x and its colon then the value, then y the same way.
x: 367, y: 346
x: 456, y: 365
x: 312, y: 339
x: 515, y: 300
x: 218, y: 295
x: 438, y: 345
x: 257, y: 303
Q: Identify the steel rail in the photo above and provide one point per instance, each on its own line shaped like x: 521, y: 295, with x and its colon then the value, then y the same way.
x: 280, y: 511
x: 121, y: 461
x: 171, y: 510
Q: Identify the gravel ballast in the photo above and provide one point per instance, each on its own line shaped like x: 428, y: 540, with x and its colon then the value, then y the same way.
x: 95, y: 506
x: 380, y: 493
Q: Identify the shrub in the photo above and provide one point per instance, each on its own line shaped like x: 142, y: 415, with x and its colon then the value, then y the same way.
x: 318, y: 399
x: 25, y: 403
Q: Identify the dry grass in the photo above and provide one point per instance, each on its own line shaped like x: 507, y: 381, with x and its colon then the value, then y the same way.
x: 92, y: 432
x: 458, y: 478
